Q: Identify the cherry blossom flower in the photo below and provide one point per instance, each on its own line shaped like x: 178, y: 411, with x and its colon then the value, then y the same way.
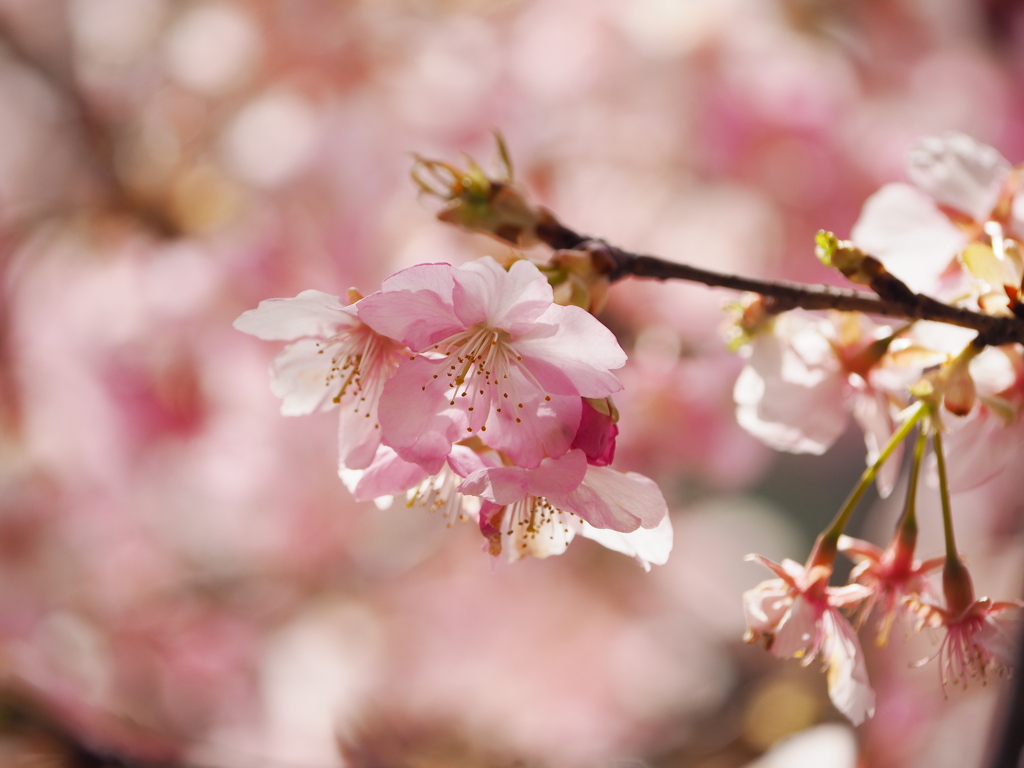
x: 498, y: 357
x: 892, y: 575
x: 806, y: 376
x: 961, y: 189
x: 335, y: 359
x: 797, y: 616
x: 981, y: 635
x: 537, y: 512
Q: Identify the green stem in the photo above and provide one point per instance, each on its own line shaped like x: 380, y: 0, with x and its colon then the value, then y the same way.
x: 908, y: 520
x: 952, y: 556
x: 826, y: 545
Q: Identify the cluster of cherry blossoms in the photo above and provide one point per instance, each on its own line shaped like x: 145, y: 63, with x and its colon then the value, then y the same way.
x: 484, y: 391
x: 953, y: 234
x: 468, y: 390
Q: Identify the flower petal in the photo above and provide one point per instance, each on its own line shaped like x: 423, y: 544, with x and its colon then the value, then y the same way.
x: 569, y: 351
x: 300, y: 377
x: 417, y: 420
x: 959, y: 172
x: 847, y: 675
x: 311, y: 313
x: 621, y: 501
x: 507, y: 485
x: 413, y: 306
x: 649, y: 546
x: 511, y: 300
x: 902, y: 227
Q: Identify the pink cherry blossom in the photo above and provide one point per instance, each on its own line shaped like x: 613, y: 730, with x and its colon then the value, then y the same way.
x: 335, y: 359
x: 498, y: 357
x: 979, y: 640
x: 797, y: 616
x: 893, y: 575
x: 980, y: 635
x: 537, y: 512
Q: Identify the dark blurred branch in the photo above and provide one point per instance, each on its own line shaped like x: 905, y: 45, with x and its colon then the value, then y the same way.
x: 97, y: 136
x: 896, y: 300
x: 1007, y: 742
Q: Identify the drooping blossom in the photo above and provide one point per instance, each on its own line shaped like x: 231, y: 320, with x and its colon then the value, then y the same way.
x: 981, y: 635
x: 797, y: 615
x: 335, y: 360
x: 537, y: 512
x: 892, y: 575
x: 497, y: 357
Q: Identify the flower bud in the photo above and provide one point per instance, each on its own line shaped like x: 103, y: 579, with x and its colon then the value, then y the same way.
x: 478, y: 203
x: 580, y: 277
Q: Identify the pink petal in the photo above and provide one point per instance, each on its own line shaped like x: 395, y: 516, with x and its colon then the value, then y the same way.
x: 858, y: 549
x: 386, y: 475
x: 358, y: 437
x: 511, y: 300
x: 546, y: 427
x: 414, y: 306
x: 571, y: 352
x: 299, y: 376
x: 621, y: 501
x: 789, y: 401
x: 765, y: 605
x: 797, y: 635
x: 507, y: 485
x: 871, y: 412
x: 416, y: 419
x: 311, y: 313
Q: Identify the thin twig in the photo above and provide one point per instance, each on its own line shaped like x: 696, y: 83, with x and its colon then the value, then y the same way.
x: 782, y: 295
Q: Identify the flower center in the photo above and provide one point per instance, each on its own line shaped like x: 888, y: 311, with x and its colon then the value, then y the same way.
x: 361, y: 361
x: 481, y: 364
x: 533, y: 520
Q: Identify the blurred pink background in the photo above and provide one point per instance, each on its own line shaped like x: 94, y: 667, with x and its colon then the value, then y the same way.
x: 183, y: 578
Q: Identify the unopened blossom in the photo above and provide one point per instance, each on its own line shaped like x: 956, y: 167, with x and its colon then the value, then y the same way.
x: 335, y: 360
x: 980, y: 635
x: 797, y: 615
x: 498, y: 358
x: 537, y: 512
x: 597, y: 431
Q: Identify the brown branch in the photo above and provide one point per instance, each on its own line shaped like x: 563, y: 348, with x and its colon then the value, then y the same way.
x: 782, y: 295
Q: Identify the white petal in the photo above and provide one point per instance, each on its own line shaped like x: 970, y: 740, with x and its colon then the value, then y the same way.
x: 959, y: 172
x: 847, y: 675
x: 902, y: 227
x: 299, y: 376
x: 311, y: 313
x: 650, y: 546
x: 791, y: 400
